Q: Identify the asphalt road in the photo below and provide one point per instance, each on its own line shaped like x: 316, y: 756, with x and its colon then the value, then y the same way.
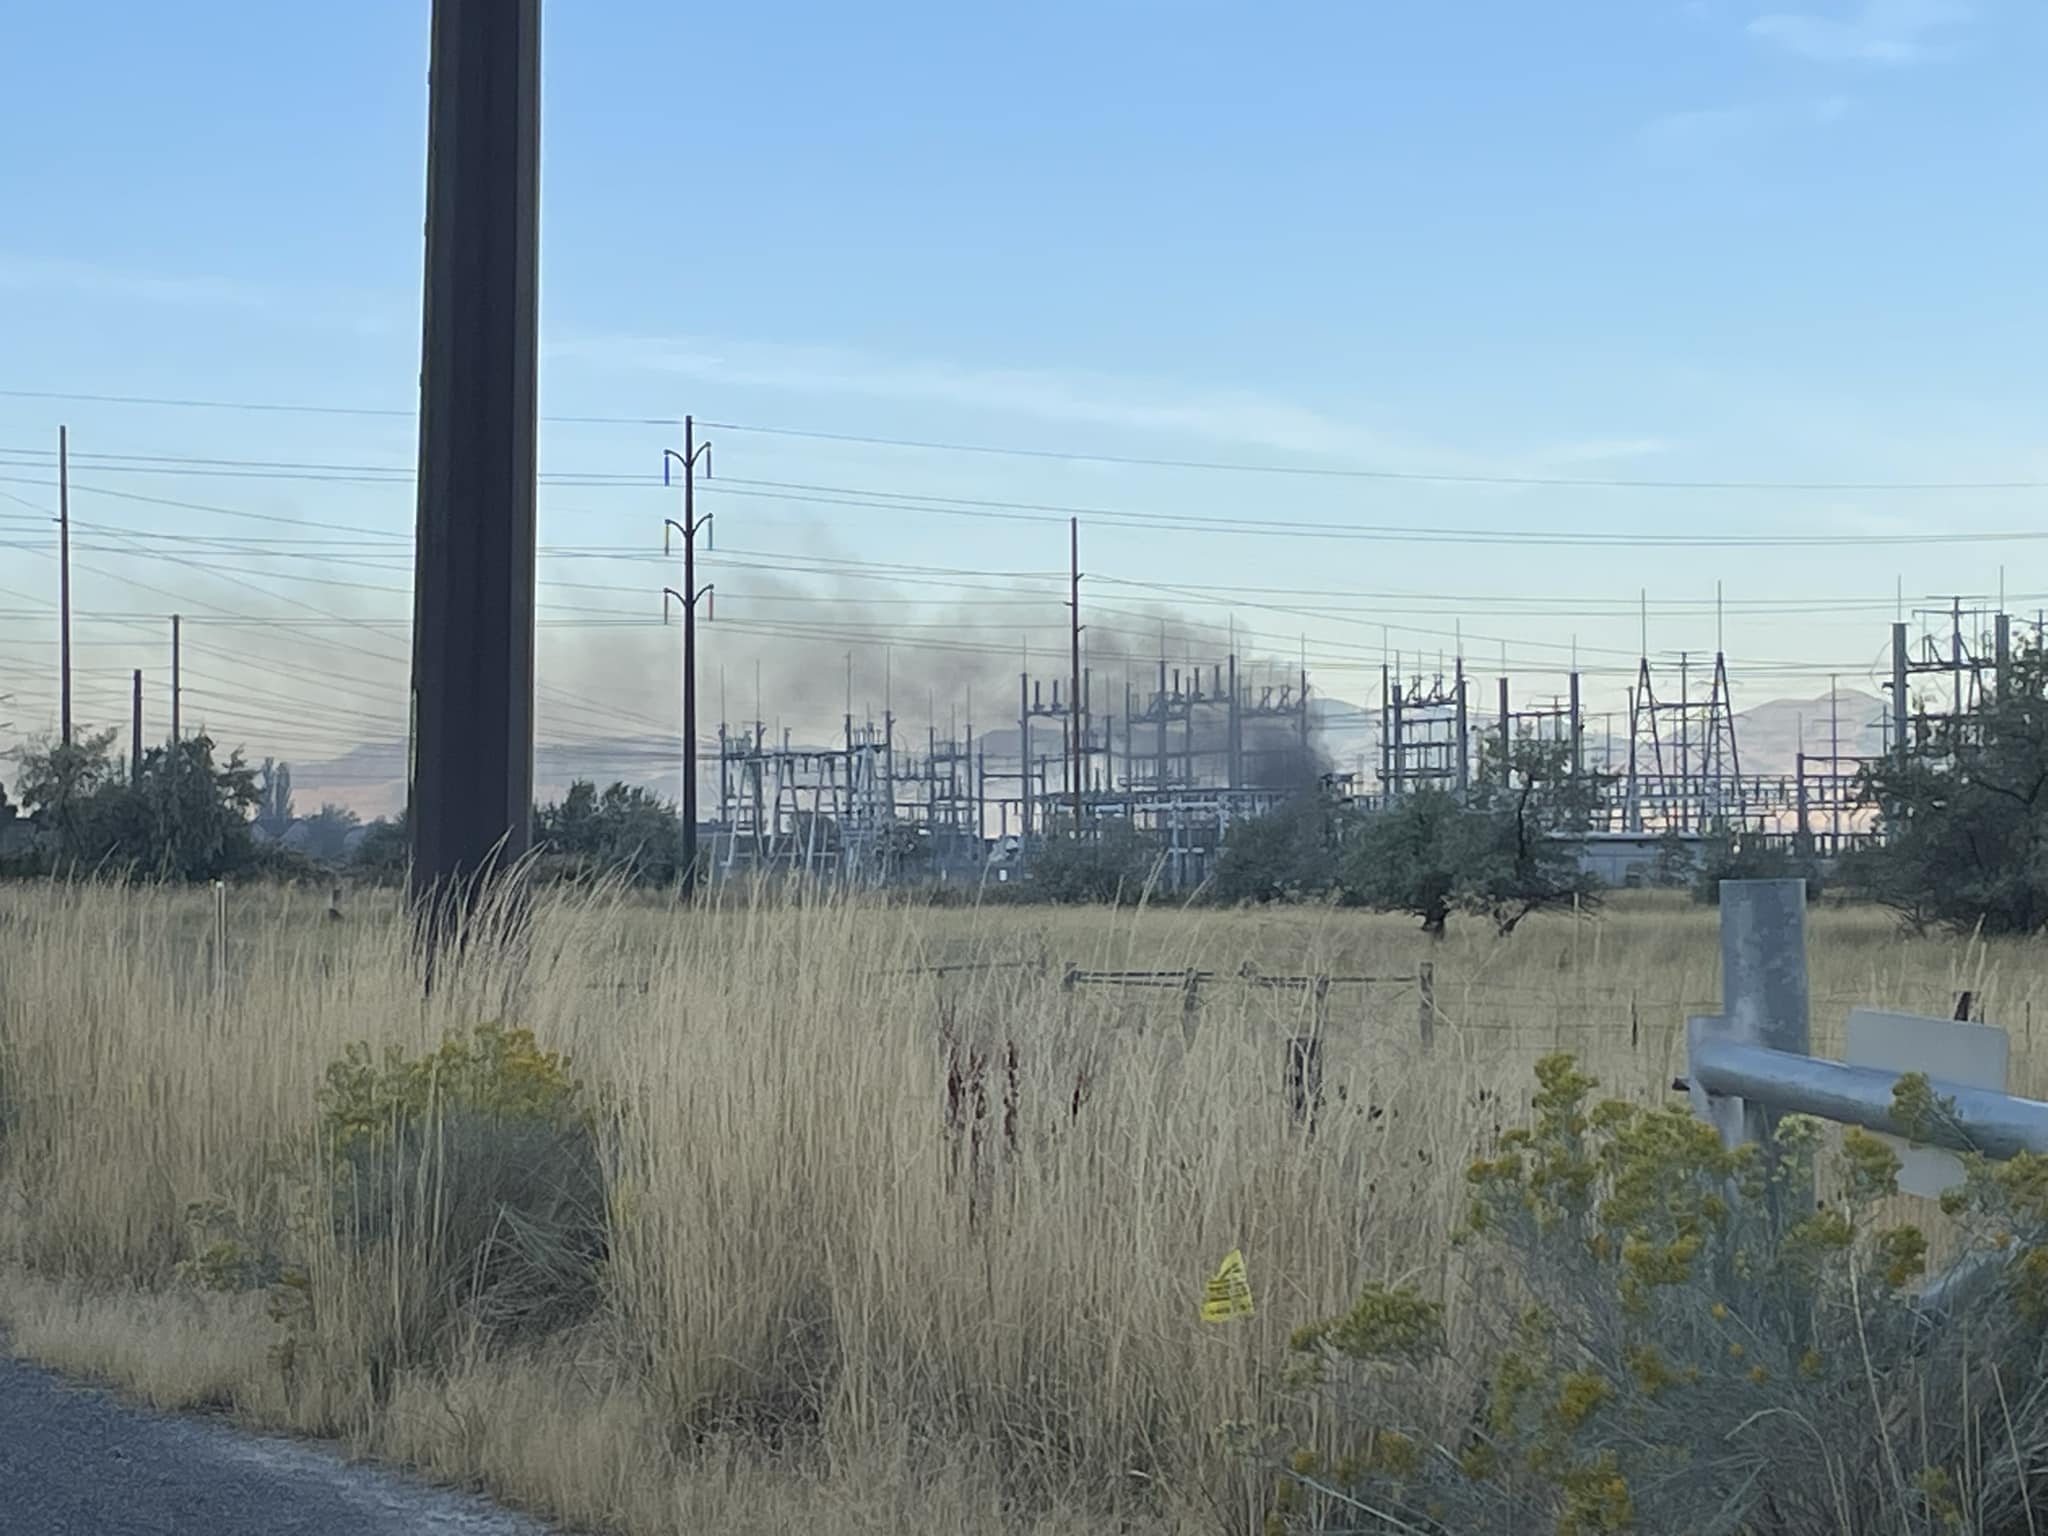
x: 75, y: 1461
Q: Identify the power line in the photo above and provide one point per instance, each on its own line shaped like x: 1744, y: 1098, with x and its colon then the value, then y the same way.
x: 1220, y: 466
x: 297, y: 409
x: 1577, y: 482
x: 992, y: 509
x: 1188, y: 522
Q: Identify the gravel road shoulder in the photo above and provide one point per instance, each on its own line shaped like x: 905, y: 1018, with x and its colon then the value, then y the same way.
x: 78, y: 1461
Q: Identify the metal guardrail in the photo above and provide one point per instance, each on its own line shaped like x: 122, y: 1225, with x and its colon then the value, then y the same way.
x: 1996, y: 1124
x: 1750, y: 1064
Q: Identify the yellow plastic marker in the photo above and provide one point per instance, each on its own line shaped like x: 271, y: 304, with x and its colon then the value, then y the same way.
x: 1229, y: 1293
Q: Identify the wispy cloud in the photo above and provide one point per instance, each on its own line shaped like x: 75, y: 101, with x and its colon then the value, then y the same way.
x: 36, y: 274
x: 1080, y: 398
x: 1710, y: 134
x: 363, y: 313
x: 1890, y: 32
x: 1200, y: 423
x: 1701, y: 132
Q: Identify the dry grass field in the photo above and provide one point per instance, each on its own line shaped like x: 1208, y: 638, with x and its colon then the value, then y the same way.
x: 904, y: 1233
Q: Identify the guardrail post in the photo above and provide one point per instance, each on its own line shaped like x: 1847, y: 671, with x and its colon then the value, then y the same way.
x: 1763, y: 963
x: 1763, y: 992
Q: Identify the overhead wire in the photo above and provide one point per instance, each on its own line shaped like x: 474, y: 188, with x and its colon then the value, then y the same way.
x: 1077, y: 455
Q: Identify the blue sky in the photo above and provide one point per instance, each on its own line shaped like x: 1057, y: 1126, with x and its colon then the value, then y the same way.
x: 1623, y: 241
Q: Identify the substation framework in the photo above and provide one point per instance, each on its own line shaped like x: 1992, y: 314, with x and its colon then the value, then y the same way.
x: 1200, y: 748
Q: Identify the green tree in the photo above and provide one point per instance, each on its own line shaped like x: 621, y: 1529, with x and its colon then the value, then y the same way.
x: 1677, y: 865
x: 625, y: 829
x: 327, y: 833
x: 1524, y: 859
x: 274, y: 803
x: 1115, y: 864
x: 1289, y: 854
x: 1745, y: 857
x: 1412, y: 855
x: 185, y: 818
x: 60, y: 785
x: 1964, y: 816
x: 385, y: 849
x: 1504, y: 852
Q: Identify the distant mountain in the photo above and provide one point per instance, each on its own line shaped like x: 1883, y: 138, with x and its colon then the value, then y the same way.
x: 370, y: 779
x: 1770, y: 735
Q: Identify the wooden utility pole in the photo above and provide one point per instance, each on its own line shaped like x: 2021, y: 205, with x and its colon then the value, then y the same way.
x: 177, y: 686
x: 64, y: 574
x: 471, y: 775
x: 135, y: 733
x: 1077, y: 736
x: 688, y: 528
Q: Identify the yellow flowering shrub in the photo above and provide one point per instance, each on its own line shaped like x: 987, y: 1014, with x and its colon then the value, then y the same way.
x: 480, y: 1163
x: 1664, y: 1334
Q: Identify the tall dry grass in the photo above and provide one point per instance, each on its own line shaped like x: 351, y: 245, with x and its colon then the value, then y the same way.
x: 905, y: 1234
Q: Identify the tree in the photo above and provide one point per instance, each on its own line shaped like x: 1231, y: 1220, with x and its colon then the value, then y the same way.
x: 60, y: 783
x: 1524, y: 860
x: 184, y: 818
x: 1964, y: 816
x: 1677, y: 866
x: 274, y: 806
x: 385, y: 849
x: 1506, y: 851
x: 626, y: 830
x: 327, y: 833
x: 1744, y: 857
x: 1412, y: 855
x: 1289, y: 854
x: 1113, y: 864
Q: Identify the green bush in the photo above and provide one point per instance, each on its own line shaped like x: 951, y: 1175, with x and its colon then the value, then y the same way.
x: 478, y: 1168
x: 1289, y: 854
x: 1964, y: 814
x: 1668, y: 1336
x: 1115, y: 864
x: 1738, y: 858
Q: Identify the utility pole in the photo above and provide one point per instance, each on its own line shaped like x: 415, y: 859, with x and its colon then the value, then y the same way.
x: 64, y: 571
x: 1024, y: 750
x: 1834, y: 762
x: 471, y: 774
x: 1901, y: 741
x: 176, y: 685
x: 135, y: 734
x: 1075, y: 717
x: 688, y: 527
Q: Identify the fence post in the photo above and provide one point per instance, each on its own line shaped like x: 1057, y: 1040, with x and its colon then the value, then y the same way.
x: 1304, y: 1079
x: 1763, y: 980
x: 220, y: 940
x: 1425, y: 1017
